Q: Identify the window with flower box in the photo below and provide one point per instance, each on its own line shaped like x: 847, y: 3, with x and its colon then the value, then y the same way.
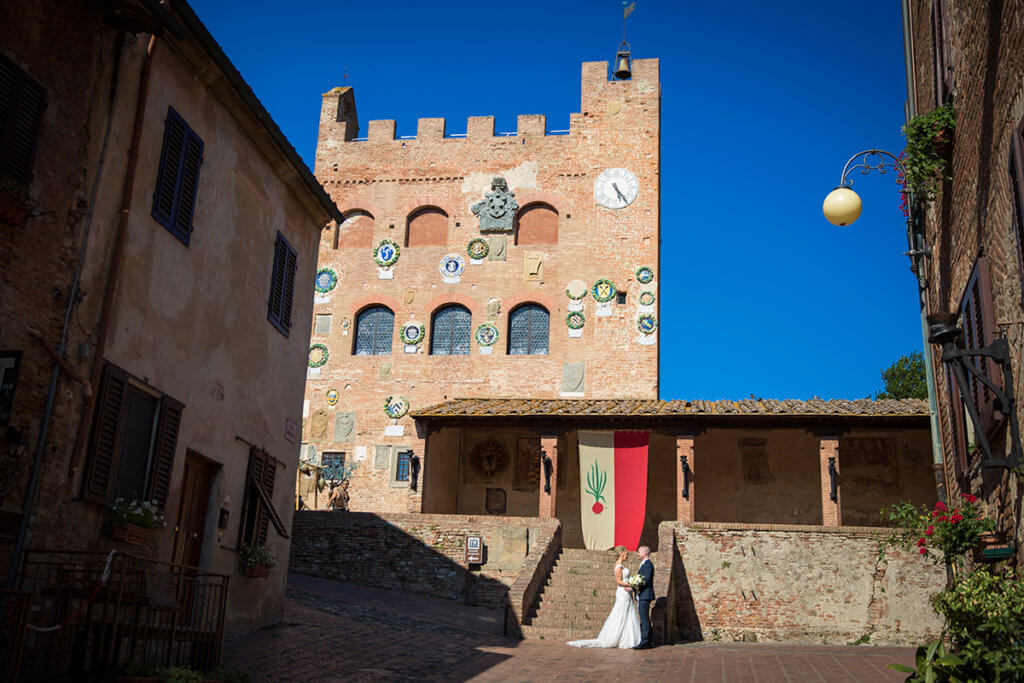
x: 132, y: 443
x: 258, y: 510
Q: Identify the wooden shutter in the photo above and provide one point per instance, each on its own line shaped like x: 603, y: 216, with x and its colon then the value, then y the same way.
x: 957, y: 424
x: 942, y: 79
x: 282, y: 285
x: 1017, y: 197
x: 262, y: 472
x: 178, y: 177
x: 164, y: 445
x: 978, y: 323
x: 22, y: 103
x: 267, y: 481
x: 106, y: 436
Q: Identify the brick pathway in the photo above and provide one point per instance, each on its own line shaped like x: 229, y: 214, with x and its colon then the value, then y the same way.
x: 338, y: 632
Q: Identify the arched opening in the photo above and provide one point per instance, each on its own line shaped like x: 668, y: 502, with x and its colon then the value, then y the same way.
x: 355, y: 231
x: 528, y: 330
x: 375, y: 328
x: 537, y: 224
x: 427, y: 227
x: 450, y: 331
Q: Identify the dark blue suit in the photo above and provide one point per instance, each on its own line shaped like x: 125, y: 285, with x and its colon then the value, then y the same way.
x: 645, y: 597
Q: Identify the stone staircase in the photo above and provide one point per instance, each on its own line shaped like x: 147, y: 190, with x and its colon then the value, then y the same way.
x: 577, y: 597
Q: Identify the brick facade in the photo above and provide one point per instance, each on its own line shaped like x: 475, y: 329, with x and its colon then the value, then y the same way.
x: 418, y: 192
x: 973, y: 215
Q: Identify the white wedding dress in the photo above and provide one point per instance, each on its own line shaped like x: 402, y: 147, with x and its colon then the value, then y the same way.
x: 622, y: 627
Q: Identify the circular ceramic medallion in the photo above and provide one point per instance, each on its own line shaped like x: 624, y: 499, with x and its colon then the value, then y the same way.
x: 346, y: 323
x: 603, y: 291
x: 386, y: 253
x: 576, y: 290
x: 396, y: 406
x: 646, y: 298
x: 325, y: 281
x: 647, y: 324
x: 477, y: 248
x: 452, y: 265
x: 487, y: 334
x: 575, y: 320
x: 413, y: 333
x: 644, y: 274
x: 318, y: 355
x: 332, y: 397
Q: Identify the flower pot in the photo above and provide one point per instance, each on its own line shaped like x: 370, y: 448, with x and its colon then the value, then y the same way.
x: 992, y: 547
x: 12, y: 212
x: 257, y: 572
x: 130, y: 533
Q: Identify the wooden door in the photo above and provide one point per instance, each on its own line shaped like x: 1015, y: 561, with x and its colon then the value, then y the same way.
x: 190, y: 527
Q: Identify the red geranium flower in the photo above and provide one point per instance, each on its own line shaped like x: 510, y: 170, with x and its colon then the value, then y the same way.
x: 924, y: 550
x: 929, y: 531
x: 920, y: 542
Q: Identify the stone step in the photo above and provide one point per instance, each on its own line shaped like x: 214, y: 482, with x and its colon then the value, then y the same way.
x: 568, y: 609
x: 574, y: 592
x: 567, y: 618
x: 556, y: 634
x: 582, y: 565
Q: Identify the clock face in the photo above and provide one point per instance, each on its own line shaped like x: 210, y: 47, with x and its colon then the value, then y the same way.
x: 616, y: 188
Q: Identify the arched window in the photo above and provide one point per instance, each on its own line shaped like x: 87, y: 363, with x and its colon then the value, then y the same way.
x: 449, y: 331
x: 355, y: 231
x: 427, y: 227
x: 537, y: 224
x: 375, y: 328
x: 528, y: 330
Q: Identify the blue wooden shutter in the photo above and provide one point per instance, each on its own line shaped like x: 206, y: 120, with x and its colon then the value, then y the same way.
x: 177, y: 180
x: 22, y: 102
x: 282, y: 285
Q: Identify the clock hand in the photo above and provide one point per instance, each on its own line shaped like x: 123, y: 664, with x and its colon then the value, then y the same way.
x: 618, y: 192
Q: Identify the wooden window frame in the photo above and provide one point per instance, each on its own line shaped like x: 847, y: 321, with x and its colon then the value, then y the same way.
x: 1016, y: 173
x: 529, y: 344
x: 940, y: 43
x: 177, y: 180
x: 20, y: 123
x: 282, y: 285
x: 107, y: 435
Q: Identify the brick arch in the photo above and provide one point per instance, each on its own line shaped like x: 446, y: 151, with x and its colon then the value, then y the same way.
x: 529, y: 296
x: 371, y: 300
x: 453, y: 298
x: 356, y: 230
x: 427, y: 226
x: 537, y: 223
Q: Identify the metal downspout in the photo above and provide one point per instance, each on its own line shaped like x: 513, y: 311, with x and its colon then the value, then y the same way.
x: 44, y: 422
x: 117, y: 257
x: 915, y: 239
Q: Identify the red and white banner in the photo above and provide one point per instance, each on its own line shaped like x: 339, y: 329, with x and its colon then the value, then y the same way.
x: 613, y: 488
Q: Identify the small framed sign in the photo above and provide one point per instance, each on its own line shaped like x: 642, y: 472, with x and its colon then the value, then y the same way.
x: 474, y: 549
x: 291, y: 430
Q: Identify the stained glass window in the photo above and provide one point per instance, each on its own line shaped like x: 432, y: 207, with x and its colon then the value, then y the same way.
x: 449, y: 333
x: 402, y: 466
x: 374, y: 331
x: 528, y: 331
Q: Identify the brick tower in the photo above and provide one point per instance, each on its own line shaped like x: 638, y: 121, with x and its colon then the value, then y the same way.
x: 527, y: 265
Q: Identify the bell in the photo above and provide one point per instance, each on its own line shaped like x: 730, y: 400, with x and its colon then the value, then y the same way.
x: 622, y: 70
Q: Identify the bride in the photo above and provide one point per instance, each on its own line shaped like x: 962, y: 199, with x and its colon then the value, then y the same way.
x: 622, y: 627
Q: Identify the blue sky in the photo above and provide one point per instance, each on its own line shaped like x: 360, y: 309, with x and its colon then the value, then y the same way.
x: 762, y: 104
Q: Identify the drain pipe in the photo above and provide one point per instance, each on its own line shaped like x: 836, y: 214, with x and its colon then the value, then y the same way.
x: 915, y: 239
x: 117, y: 258
x: 58, y: 353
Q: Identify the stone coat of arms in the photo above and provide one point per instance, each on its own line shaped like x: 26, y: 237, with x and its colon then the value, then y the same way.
x: 497, y: 211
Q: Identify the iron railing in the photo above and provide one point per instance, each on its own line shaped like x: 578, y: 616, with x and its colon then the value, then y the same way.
x: 92, y: 612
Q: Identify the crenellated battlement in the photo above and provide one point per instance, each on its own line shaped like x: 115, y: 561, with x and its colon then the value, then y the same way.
x: 599, y: 96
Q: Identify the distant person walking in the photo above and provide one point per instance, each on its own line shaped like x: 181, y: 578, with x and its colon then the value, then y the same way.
x: 339, y: 497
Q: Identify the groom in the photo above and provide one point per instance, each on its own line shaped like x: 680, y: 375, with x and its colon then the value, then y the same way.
x: 645, y: 596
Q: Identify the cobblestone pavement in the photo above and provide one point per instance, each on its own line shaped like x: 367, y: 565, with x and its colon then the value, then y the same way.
x: 328, y: 636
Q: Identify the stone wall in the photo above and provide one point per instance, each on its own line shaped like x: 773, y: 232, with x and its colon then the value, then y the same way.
x: 782, y: 583
x: 417, y: 553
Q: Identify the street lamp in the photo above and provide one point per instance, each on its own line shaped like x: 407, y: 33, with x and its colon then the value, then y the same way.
x: 842, y: 207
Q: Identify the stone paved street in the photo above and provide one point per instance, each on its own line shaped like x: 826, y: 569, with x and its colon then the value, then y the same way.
x: 334, y: 631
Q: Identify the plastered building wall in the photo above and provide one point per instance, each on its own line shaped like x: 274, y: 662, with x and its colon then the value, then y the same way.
x: 380, y: 181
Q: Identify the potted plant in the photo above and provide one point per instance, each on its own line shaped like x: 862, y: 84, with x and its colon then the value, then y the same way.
x: 14, y: 202
x: 928, y: 153
x: 258, y: 561
x: 133, y: 522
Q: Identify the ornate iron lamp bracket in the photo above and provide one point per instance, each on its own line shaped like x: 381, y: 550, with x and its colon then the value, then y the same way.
x: 871, y: 160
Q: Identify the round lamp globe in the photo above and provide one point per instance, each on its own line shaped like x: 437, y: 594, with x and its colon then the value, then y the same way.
x: 842, y: 206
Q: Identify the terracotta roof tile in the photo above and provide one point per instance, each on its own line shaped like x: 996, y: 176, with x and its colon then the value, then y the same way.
x: 516, y: 407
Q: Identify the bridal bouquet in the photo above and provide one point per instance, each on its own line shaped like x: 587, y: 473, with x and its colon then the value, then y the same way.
x: 636, y: 582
